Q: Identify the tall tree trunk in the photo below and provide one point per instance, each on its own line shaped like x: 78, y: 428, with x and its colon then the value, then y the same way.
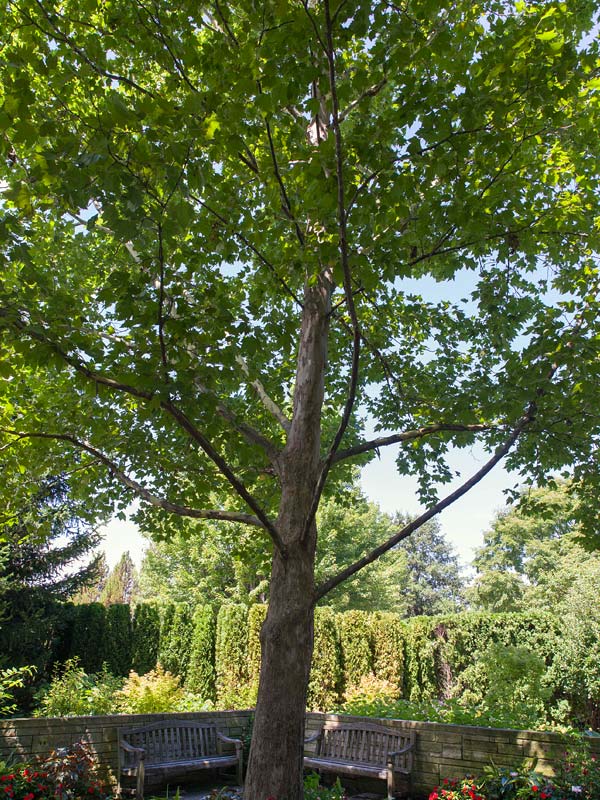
x: 275, y: 765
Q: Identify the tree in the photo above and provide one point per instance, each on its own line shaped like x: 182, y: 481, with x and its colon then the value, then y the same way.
x: 92, y: 592
x: 45, y: 558
x: 212, y: 219
x: 435, y: 583
x: 207, y: 563
x: 121, y: 584
x: 533, y: 554
x: 213, y: 563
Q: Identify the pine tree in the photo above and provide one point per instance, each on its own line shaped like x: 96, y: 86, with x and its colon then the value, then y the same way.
x: 121, y: 584
x: 44, y: 546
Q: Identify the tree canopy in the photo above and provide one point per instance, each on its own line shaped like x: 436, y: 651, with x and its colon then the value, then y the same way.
x: 532, y: 556
x: 212, y: 220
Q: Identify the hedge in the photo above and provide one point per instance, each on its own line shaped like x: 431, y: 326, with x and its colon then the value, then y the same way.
x: 217, y: 654
x: 231, y: 656
x: 201, y: 675
x: 117, y: 648
x: 145, y: 637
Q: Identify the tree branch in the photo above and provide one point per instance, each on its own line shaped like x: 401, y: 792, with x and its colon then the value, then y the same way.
x: 267, y: 402
x: 287, y: 206
x: 135, y: 486
x: 407, y: 436
x: 178, y: 415
x: 370, y: 92
x: 404, y: 532
x: 251, y: 247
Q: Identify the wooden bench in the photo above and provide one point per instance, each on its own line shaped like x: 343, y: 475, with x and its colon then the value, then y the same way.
x: 164, y: 749
x: 364, y: 750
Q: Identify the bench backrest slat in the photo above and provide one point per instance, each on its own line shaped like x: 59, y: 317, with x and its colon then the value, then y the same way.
x: 173, y: 740
x: 366, y: 744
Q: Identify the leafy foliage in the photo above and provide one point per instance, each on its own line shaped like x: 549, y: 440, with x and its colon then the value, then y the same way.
x: 533, y: 553
x: 158, y: 691
x: 44, y: 559
x: 117, y: 650
x: 89, y: 628
x: 11, y: 679
x: 326, y: 675
x: 73, y: 692
x: 66, y: 774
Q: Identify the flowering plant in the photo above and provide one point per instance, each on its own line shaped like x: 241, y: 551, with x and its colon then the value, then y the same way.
x: 68, y: 773
x: 453, y: 789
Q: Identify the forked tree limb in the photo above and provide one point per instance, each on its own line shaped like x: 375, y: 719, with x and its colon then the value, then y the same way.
x: 136, y: 486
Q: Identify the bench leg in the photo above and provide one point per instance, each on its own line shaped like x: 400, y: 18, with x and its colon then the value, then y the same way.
x: 390, y: 782
x: 139, y: 789
x: 240, y: 766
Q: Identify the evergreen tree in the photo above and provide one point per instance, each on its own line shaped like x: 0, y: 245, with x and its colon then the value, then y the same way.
x: 121, y: 584
x: 42, y: 564
x: 435, y: 581
x: 92, y: 592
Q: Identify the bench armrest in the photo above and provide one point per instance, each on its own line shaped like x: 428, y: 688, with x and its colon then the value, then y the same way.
x: 313, y: 737
x: 139, y: 751
x: 401, y: 752
x: 228, y: 739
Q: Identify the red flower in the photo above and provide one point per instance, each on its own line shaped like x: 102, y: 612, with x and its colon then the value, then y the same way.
x: 535, y: 788
x: 29, y: 796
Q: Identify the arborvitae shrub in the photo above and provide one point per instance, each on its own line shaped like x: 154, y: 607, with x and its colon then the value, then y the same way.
x: 326, y: 676
x: 387, y: 635
x: 231, y: 656
x: 145, y: 637
x: 176, y: 635
x: 118, y: 639
x: 201, y: 675
x: 256, y: 616
x: 89, y: 636
x: 420, y: 666
x: 357, y: 649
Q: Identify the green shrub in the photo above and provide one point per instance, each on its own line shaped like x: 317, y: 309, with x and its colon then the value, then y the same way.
x: 89, y: 632
x: 420, y: 674
x: 175, y: 639
x: 326, y: 675
x: 357, y: 650
x: 11, y: 679
x: 256, y: 616
x: 145, y: 637
x: 231, y: 656
x: 314, y: 791
x: 72, y: 692
x: 118, y: 638
x: 156, y: 692
x: 201, y: 676
x: 387, y: 636
x: 368, y: 693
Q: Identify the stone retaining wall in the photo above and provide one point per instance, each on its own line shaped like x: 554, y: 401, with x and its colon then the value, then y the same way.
x: 451, y: 751
x: 442, y: 750
x: 26, y: 738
